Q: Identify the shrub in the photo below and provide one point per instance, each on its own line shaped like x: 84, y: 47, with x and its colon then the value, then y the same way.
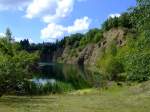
x: 61, y: 87
x: 114, y: 69
x: 138, y: 66
x: 98, y: 36
x: 32, y: 88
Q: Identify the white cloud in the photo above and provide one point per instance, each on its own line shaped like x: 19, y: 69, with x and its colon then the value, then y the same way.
x: 13, y: 4
x: 79, y: 25
x: 55, y: 31
x: 114, y: 15
x: 2, y: 34
x: 49, y: 10
x: 52, y: 31
x: 40, y: 7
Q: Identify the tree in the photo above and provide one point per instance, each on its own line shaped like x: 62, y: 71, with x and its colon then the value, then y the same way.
x: 114, y: 69
x: 138, y: 66
x: 25, y: 44
x: 110, y: 23
x: 98, y: 36
x: 8, y: 34
x: 141, y: 15
x: 15, y: 66
x: 125, y: 20
x: 89, y: 36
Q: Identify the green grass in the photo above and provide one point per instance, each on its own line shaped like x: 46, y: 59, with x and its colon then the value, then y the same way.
x: 115, y: 99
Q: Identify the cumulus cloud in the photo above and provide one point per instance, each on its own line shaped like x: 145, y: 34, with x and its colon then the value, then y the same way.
x: 13, y: 4
x: 114, y: 15
x: 49, y: 10
x: 55, y: 31
x: 40, y: 7
x: 52, y: 32
x: 64, y: 8
x: 2, y: 34
x: 79, y: 25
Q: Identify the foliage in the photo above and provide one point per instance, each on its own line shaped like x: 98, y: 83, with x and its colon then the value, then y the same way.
x: 25, y: 44
x: 98, y: 37
x: 138, y: 66
x: 32, y: 88
x: 130, y: 61
x: 110, y: 23
x: 114, y: 68
x: 123, y: 21
x: 141, y: 14
x: 8, y: 34
x: 93, y: 35
x: 111, y: 67
x: 15, y: 65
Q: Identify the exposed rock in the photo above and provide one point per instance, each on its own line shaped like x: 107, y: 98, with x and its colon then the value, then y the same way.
x: 92, y: 52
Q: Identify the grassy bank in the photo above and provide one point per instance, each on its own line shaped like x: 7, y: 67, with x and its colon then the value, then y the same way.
x: 115, y: 99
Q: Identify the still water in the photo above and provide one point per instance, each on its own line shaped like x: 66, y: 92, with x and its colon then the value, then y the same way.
x: 78, y: 76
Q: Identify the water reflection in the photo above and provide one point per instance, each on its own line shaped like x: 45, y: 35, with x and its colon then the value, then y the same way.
x: 78, y: 76
x: 40, y: 81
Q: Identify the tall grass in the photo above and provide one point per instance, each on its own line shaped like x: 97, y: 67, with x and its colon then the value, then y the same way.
x: 32, y: 88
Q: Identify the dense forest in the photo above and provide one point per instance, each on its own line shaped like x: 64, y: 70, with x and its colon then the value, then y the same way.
x: 120, y: 50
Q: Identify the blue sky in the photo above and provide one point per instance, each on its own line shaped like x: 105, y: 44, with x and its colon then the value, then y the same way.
x: 48, y: 20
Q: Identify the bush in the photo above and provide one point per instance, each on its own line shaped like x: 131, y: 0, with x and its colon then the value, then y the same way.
x: 32, y: 88
x: 114, y: 69
x: 15, y: 65
x: 98, y: 36
x: 138, y: 66
x: 61, y: 87
x: 123, y: 21
x: 110, y: 23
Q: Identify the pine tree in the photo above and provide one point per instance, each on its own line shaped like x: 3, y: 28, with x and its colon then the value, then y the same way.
x: 8, y: 34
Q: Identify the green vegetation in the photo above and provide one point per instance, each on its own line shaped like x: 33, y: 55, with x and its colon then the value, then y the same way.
x: 123, y: 21
x: 121, y: 99
x: 15, y: 64
x: 138, y: 67
x: 132, y: 59
x: 120, y: 50
x: 33, y: 88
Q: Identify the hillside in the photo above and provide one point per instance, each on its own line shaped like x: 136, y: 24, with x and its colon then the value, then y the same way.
x: 92, y: 52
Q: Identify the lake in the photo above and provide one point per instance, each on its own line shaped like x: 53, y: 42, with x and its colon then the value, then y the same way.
x: 77, y: 76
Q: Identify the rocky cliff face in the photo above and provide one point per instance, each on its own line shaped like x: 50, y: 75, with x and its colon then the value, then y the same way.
x: 91, y: 52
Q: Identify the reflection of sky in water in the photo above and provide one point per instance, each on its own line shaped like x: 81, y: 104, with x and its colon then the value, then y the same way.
x: 43, y: 81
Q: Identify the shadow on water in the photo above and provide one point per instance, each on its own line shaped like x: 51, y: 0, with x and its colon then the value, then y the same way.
x: 78, y: 76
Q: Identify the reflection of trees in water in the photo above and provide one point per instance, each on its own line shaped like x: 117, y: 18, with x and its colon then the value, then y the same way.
x: 52, y: 71
x: 78, y: 76
x: 93, y: 77
x: 74, y: 76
